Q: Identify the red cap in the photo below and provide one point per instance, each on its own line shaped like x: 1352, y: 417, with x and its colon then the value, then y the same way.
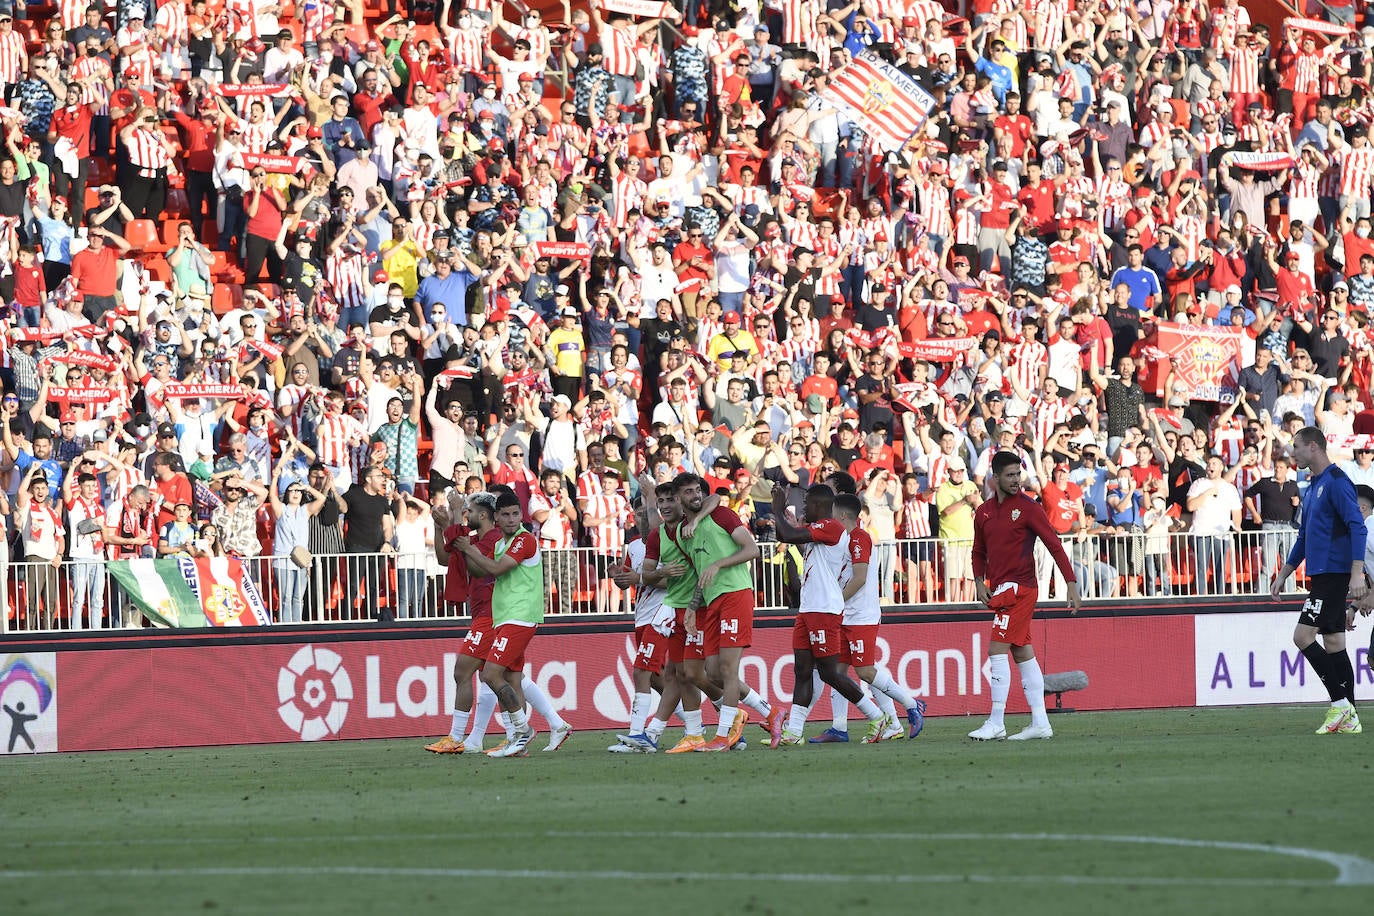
x: 527, y: 77
x: 314, y: 133
x: 68, y: 416
x: 496, y: 143
x: 59, y: 199
x: 850, y: 414
x: 911, y: 22
x: 380, y: 276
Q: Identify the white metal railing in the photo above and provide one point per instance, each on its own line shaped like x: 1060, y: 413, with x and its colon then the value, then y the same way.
x: 361, y: 588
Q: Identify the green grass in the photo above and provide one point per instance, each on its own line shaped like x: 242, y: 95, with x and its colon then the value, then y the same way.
x: 925, y: 825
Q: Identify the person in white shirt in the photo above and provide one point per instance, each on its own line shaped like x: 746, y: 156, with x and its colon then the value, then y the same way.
x: 414, y: 544
x: 1215, y: 504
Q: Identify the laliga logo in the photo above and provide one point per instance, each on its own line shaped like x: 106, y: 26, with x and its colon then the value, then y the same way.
x: 324, y: 688
x: 612, y: 699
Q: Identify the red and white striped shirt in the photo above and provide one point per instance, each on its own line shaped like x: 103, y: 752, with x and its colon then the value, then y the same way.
x: 72, y: 13
x: 1025, y: 360
x: 14, y: 59
x: 627, y: 193
x: 94, y: 91
x: 618, y: 44
x: 171, y: 22
x: 798, y: 22
x: 915, y: 518
x: 345, y: 271
x: 467, y: 48
x: 1305, y: 182
x: 1049, y: 16
x: 1356, y: 167
x: 1244, y: 69
x: 608, y: 538
x: 336, y: 434
x: 1307, y: 74
x: 933, y: 198
x: 1048, y: 414
x: 293, y: 396
x: 147, y: 150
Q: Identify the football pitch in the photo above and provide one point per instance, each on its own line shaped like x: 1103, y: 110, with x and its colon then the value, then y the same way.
x: 1211, y: 811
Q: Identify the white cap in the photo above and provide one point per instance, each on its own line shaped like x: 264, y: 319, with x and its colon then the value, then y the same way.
x: 563, y: 399
x: 956, y: 463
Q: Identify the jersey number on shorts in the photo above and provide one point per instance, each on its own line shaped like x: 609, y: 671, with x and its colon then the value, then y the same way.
x: 1001, y: 621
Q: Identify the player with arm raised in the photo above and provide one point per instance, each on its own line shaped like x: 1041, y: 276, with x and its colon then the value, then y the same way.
x: 1004, y: 532
x: 462, y: 580
x: 1332, y: 541
x: 655, y: 623
x: 859, y: 627
x: 816, y: 639
x: 517, y: 608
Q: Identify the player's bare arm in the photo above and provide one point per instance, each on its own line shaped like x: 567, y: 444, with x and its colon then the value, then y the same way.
x: 747, y: 552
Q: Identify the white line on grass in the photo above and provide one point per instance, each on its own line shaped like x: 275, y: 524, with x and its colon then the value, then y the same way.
x: 1351, y: 870
x: 373, y: 871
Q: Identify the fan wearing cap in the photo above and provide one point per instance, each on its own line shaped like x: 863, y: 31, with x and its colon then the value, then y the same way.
x: 731, y: 340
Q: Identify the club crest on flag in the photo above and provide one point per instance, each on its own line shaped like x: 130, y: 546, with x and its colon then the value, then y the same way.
x: 877, y: 98
x: 222, y: 605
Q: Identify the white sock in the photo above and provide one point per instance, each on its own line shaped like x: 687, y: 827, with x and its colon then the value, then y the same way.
x: 518, y: 720
x: 539, y: 700
x: 680, y: 712
x: 839, y: 711
x: 1033, y: 683
x: 1342, y: 703
x: 870, y: 710
x: 884, y: 703
x: 817, y: 687
x: 758, y: 704
x: 508, y: 723
x: 639, y: 711
x: 796, y: 718
x: 655, y: 728
x: 716, y: 703
x: 727, y: 718
x: 691, y: 722
x: 1000, y: 675
x: 883, y: 683
x: 486, y: 705
x: 460, y: 724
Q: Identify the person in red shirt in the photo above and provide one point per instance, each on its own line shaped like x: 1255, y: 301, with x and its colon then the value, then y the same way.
x: 1005, y: 529
x: 30, y: 287
x: 198, y: 142
x: 95, y: 271
x: 1037, y: 196
x: 172, y: 488
x: 1063, y: 500
x: 996, y: 219
x: 694, y: 260
x: 70, y: 129
x: 264, y: 207
x: 1294, y: 286
x: 1018, y: 127
x: 820, y: 382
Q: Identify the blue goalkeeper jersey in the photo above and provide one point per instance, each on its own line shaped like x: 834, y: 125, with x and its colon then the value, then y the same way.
x: 1332, y: 535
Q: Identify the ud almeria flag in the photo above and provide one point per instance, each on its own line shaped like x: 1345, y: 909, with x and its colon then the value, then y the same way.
x: 182, y: 592
x: 885, y: 102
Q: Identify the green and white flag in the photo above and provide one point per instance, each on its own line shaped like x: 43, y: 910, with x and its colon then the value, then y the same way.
x: 183, y: 592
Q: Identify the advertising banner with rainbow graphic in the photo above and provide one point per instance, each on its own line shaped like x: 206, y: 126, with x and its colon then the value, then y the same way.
x: 182, y: 592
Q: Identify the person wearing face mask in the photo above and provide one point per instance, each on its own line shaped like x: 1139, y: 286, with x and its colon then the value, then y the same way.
x: 465, y: 43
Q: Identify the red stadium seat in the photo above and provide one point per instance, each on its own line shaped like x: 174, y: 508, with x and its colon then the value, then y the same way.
x: 141, y: 234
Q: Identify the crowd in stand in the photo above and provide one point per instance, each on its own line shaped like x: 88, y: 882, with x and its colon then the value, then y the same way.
x: 281, y: 277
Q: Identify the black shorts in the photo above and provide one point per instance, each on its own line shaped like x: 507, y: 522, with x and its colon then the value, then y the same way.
x: 1325, y: 604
